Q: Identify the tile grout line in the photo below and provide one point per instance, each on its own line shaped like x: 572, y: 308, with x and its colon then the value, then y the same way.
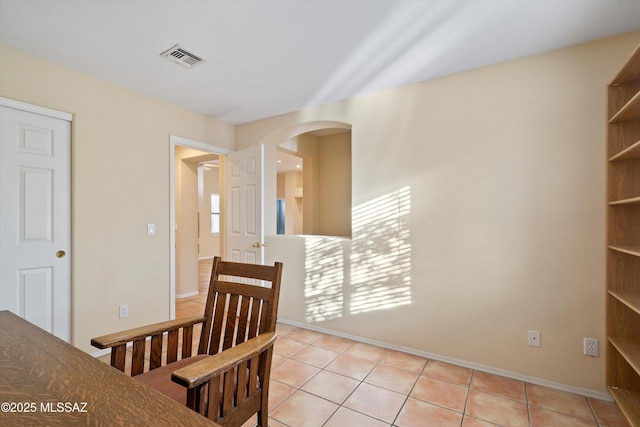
x: 466, y: 401
x: 593, y: 413
x: 526, y: 402
x: 363, y: 382
x: 411, y: 391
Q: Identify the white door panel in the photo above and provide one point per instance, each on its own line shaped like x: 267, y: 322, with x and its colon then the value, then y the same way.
x: 35, y: 218
x: 250, y: 184
x: 35, y: 204
x: 34, y: 296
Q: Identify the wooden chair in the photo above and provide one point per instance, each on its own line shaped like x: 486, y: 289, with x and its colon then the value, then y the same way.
x: 228, y: 380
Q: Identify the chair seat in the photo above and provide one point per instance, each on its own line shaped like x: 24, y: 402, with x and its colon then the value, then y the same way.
x: 160, y: 378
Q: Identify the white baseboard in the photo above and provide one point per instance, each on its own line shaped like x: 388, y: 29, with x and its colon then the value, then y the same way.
x: 101, y: 353
x: 187, y: 295
x: 478, y: 367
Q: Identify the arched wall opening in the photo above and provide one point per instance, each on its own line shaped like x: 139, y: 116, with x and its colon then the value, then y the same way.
x: 314, y: 178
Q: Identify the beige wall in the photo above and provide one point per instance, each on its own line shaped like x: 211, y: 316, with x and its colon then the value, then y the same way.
x: 497, y: 180
x: 120, y: 175
x: 334, y: 185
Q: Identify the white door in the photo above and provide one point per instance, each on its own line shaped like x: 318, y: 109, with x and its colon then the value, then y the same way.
x: 35, y: 216
x: 250, y: 202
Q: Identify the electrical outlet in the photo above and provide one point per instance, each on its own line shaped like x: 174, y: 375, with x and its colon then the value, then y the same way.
x: 124, y: 310
x: 590, y: 347
x: 534, y: 338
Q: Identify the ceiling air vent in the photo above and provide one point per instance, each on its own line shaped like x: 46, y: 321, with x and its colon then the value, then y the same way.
x: 181, y: 56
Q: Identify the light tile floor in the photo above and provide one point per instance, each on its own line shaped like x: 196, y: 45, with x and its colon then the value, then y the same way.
x: 325, y: 380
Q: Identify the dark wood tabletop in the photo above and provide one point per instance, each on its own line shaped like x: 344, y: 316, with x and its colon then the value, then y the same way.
x: 45, y: 381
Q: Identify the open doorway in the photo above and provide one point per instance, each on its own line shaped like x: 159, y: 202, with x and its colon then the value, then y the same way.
x: 193, y: 174
x: 209, y: 202
x: 192, y: 211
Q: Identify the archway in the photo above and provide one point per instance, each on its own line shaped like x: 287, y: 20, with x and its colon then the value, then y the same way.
x: 317, y: 195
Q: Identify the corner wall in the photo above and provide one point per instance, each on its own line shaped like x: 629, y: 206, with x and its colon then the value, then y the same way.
x: 479, y: 213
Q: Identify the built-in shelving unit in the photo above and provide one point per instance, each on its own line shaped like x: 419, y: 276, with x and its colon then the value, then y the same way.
x: 623, y: 236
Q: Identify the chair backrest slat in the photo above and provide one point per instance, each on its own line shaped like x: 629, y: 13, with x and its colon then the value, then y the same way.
x: 253, y: 291
x: 243, y: 320
x: 236, y: 309
x: 230, y: 326
x: 211, y: 338
x: 252, y: 271
x: 263, y: 325
x: 255, y: 313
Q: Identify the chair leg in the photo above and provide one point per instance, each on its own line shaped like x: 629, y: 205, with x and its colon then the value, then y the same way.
x: 263, y: 419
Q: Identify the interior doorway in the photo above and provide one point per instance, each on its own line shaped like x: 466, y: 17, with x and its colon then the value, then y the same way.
x: 209, y: 205
x: 192, y: 165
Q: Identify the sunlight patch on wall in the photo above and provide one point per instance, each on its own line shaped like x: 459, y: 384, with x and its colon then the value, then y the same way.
x: 371, y: 271
x: 325, y: 277
x: 381, y: 253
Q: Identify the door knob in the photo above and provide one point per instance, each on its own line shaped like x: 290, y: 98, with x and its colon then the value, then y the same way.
x: 258, y: 244
x: 61, y: 254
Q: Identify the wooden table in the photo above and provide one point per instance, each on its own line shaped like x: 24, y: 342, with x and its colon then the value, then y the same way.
x: 49, y: 382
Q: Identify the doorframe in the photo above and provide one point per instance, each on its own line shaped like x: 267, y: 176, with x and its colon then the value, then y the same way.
x: 174, y: 141
x: 18, y: 105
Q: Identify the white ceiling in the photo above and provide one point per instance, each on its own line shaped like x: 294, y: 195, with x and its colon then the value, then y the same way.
x: 289, y: 162
x: 271, y: 57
